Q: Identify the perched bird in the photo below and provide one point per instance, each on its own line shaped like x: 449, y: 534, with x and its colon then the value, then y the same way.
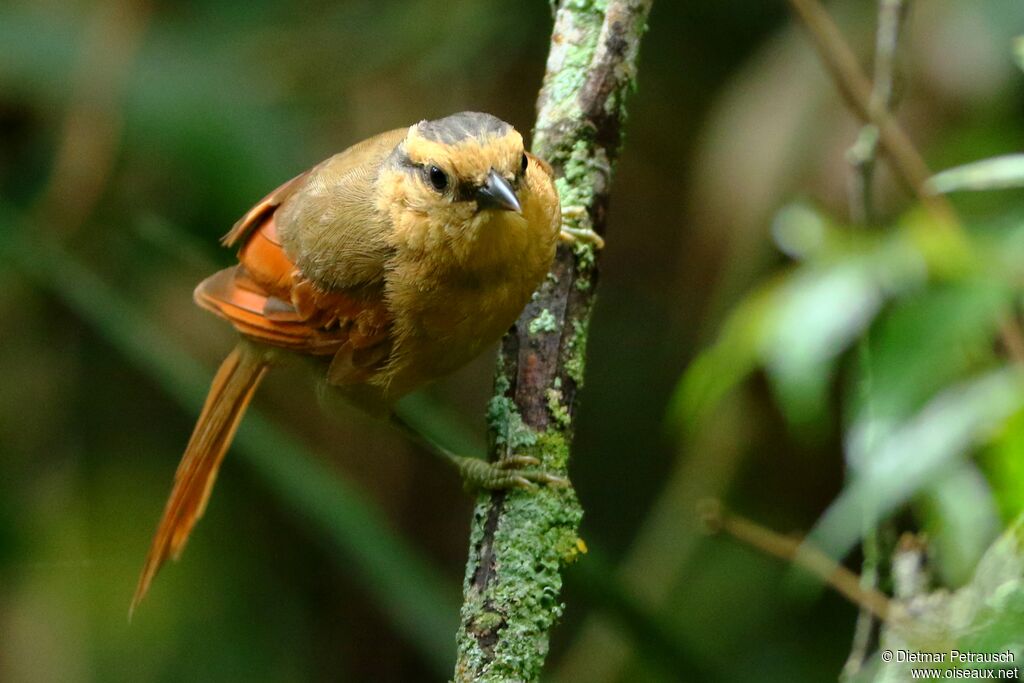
x: 390, y: 264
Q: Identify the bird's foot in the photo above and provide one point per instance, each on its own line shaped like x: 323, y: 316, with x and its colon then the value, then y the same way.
x: 511, y: 472
x: 571, y: 235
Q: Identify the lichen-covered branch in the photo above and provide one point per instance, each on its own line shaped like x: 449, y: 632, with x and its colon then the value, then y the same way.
x: 521, y: 540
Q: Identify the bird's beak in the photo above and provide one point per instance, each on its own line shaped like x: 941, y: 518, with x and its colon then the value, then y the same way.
x: 496, y: 193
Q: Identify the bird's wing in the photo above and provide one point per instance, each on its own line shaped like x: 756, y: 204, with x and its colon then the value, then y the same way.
x: 262, y: 209
x: 267, y: 299
x: 272, y: 298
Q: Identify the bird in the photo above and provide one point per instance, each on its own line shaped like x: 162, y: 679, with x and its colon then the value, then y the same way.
x: 388, y: 265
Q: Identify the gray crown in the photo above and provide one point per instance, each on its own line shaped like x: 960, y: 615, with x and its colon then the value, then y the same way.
x: 465, y: 124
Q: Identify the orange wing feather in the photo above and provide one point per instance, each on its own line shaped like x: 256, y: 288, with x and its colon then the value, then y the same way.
x: 269, y: 301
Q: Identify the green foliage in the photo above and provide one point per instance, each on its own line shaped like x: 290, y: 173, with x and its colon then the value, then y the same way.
x: 961, y: 520
x: 927, y: 389
x: 917, y: 451
x: 1003, y: 462
x: 799, y: 324
x: 922, y: 343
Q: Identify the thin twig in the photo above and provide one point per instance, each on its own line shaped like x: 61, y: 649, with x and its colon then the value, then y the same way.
x: 908, y: 164
x: 845, y: 582
x: 862, y: 156
x: 856, y: 90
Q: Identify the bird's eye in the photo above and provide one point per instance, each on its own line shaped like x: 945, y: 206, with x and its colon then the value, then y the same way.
x: 523, y: 163
x: 437, y: 178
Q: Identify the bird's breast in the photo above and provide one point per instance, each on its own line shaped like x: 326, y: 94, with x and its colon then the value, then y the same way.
x: 445, y: 318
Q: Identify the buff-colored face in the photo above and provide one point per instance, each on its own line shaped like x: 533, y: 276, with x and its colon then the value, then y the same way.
x: 457, y: 182
x: 456, y: 172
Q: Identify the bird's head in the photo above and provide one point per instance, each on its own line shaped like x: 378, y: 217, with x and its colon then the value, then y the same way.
x: 457, y: 182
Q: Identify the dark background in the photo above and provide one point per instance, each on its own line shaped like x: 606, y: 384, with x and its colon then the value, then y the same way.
x: 133, y: 134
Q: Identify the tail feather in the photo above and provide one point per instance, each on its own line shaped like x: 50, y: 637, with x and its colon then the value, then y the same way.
x: 230, y: 393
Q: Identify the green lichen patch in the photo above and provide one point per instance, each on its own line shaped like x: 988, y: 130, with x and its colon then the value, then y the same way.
x: 544, y: 322
x: 505, y: 421
x: 559, y: 413
x: 487, y: 620
x: 586, y: 255
x: 586, y: 260
x: 553, y: 451
x: 576, y: 352
x: 571, y: 550
x: 576, y: 36
x: 576, y: 187
x: 535, y: 538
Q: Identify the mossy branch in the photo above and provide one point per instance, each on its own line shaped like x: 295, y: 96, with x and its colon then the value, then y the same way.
x: 521, y: 540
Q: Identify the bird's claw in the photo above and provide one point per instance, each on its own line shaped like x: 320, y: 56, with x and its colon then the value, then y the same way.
x: 510, y: 472
x: 586, y: 235
x: 571, y: 235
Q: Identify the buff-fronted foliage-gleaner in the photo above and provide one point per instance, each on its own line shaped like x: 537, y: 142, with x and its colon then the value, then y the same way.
x: 389, y: 265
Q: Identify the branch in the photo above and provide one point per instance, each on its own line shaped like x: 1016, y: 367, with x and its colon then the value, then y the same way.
x: 841, y: 579
x: 520, y: 540
x: 862, y: 155
x: 856, y: 89
x: 891, y: 17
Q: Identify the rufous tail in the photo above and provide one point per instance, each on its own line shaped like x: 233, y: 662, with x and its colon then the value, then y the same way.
x: 230, y: 393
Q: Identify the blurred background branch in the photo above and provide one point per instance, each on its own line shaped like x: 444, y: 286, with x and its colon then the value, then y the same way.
x: 862, y: 156
x: 91, y: 130
x: 842, y: 64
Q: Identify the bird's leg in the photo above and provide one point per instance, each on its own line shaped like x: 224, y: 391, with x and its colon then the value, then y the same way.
x: 579, y: 216
x: 508, y: 473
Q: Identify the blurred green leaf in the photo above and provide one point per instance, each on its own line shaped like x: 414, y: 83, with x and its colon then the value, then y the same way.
x: 917, y: 452
x: 996, y: 593
x: 961, y: 520
x: 716, y: 371
x: 925, y: 342
x: 1003, y: 462
x: 798, y: 324
x: 1018, y: 51
x: 821, y: 311
x: 800, y: 232
x: 997, y: 173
